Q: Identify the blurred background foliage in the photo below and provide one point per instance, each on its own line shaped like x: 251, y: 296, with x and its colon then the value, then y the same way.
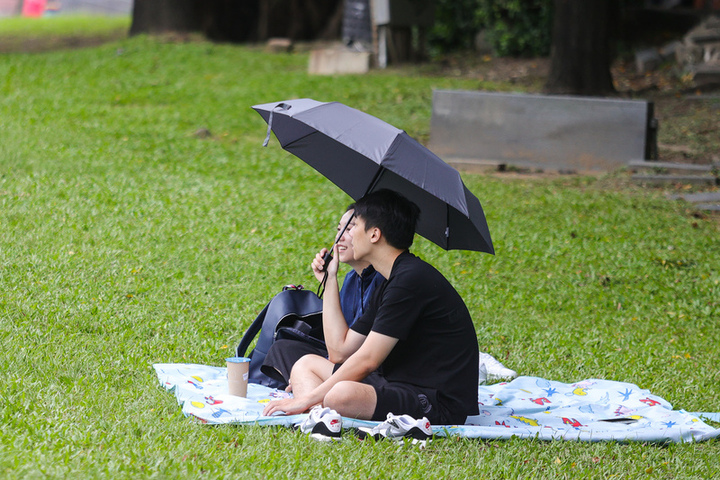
x: 510, y: 27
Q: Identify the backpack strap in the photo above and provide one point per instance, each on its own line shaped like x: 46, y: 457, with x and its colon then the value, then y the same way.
x: 257, y: 324
x: 252, y: 330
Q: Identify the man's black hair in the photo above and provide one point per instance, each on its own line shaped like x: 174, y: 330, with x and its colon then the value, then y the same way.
x: 392, y: 213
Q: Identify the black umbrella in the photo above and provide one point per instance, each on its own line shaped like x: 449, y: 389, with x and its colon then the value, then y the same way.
x: 360, y: 153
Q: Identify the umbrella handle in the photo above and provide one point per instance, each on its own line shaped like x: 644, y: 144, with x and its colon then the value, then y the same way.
x: 328, y: 255
x: 327, y: 258
x: 285, y: 107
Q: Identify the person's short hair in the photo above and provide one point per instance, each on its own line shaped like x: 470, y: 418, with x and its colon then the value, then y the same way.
x: 392, y: 213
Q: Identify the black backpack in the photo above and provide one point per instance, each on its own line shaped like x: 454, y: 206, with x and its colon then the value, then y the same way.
x: 294, y: 313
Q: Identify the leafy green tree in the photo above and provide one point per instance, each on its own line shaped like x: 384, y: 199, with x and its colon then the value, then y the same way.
x: 517, y: 27
x: 512, y: 27
x: 456, y: 24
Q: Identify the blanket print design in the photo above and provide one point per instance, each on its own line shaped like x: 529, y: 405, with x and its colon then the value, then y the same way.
x: 527, y: 407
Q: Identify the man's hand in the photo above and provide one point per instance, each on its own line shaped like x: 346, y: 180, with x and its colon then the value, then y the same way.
x: 290, y: 406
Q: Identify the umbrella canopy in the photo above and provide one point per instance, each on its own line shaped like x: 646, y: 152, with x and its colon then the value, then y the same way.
x: 360, y: 153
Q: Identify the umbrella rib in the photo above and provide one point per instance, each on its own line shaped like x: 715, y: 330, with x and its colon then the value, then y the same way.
x: 447, y: 226
x: 298, y: 139
x: 375, y: 180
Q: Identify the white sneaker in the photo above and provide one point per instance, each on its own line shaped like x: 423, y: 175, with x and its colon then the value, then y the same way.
x: 399, y: 427
x: 490, y: 370
x: 482, y: 373
x: 323, y: 424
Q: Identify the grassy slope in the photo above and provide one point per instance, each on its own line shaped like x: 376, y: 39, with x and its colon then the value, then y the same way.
x: 126, y: 241
x: 19, y: 34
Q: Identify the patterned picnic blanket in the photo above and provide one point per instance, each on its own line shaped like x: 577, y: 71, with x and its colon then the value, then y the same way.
x: 527, y: 407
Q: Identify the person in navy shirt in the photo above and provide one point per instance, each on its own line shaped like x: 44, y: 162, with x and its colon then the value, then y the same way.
x: 357, y: 289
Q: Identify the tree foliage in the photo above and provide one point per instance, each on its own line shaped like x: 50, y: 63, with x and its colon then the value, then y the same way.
x: 517, y: 27
x: 456, y: 23
x: 512, y: 27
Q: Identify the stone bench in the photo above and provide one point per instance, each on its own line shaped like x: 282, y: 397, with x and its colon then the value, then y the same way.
x: 562, y: 133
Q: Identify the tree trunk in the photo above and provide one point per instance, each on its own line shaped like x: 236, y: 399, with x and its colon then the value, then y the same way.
x: 400, y: 45
x: 333, y: 24
x: 231, y: 20
x: 309, y: 19
x: 581, y: 52
x: 238, y: 20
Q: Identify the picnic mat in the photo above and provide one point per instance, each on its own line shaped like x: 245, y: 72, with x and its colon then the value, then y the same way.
x: 527, y: 407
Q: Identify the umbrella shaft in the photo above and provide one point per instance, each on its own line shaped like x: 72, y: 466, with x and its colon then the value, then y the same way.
x: 328, y: 256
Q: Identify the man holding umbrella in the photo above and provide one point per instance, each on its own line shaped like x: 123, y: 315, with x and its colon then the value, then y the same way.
x: 414, y: 351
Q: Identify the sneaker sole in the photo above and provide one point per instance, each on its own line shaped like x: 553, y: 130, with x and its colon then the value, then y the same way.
x: 324, y: 438
x: 415, y: 436
x: 322, y: 433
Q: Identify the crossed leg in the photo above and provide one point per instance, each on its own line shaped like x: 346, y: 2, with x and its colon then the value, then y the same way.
x: 349, y: 399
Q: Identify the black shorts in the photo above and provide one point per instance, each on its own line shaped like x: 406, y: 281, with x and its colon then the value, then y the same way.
x: 283, y: 354
x: 405, y: 399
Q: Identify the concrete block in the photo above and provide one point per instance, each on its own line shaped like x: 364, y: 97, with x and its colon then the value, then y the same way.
x: 647, y: 60
x: 636, y: 165
x: 707, y: 31
x: 669, y: 51
x: 706, y: 73
x: 333, y: 61
x: 711, y: 53
x: 701, y: 197
x: 661, y: 180
x: 709, y: 207
x: 551, y: 132
x: 279, y: 45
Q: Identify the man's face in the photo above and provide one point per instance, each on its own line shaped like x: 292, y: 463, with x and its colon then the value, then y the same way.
x: 344, y: 242
x: 360, y: 239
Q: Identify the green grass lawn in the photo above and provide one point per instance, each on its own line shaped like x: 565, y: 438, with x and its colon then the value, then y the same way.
x: 127, y: 240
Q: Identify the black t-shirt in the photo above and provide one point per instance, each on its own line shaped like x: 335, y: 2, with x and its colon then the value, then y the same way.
x: 437, y: 345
